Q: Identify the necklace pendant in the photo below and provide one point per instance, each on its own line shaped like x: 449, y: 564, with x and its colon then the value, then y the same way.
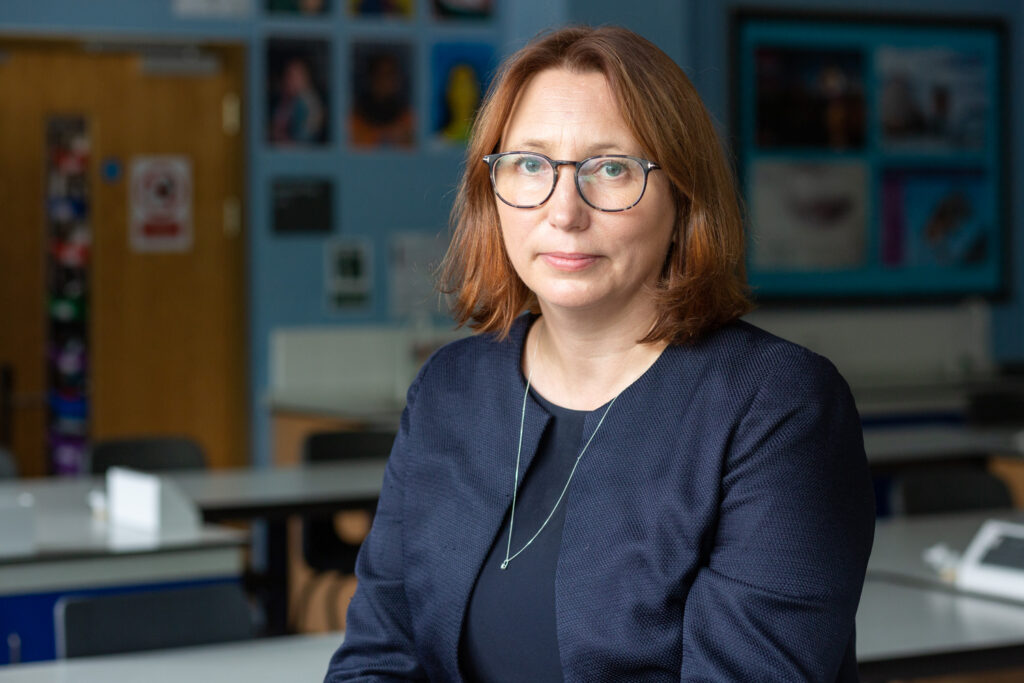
x: 504, y: 565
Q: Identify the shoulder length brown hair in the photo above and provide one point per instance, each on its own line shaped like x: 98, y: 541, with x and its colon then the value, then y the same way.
x: 703, y: 284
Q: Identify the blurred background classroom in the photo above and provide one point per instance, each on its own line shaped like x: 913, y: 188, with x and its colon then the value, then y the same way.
x: 219, y: 221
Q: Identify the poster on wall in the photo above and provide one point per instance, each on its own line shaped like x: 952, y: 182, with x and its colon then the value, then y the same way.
x: 461, y: 73
x: 160, y: 204
x: 302, y: 205
x: 871, y: 155
x: 299, y: 7
x: 348, y: 273
x: 462, y: 9
x: 412, y: 266
x: 382, y: 113
x: 298, y: 100
x: 403, y: 9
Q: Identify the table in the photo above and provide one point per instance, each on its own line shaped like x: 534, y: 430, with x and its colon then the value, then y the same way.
x: 901, y: 541
x: 246, y: 494
x: 906, y: 631
x: 914, y: 622
x: 885, y: 445
x: 901, y: 631
x: 264, y: 660
x: 76, y: 553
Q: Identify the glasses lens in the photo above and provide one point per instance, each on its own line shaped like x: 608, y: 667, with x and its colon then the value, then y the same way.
x: 523, y: 179
x: 611, y: 183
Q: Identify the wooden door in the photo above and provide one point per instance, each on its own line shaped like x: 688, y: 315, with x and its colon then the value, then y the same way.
x: 166, y: 329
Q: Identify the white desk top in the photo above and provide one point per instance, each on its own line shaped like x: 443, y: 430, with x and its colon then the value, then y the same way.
x: 893, y: 622
x: 900, y: 542
x: 265, y: 660
x: 236, y: 493
x: 896, y: 444
x: 898, y: 621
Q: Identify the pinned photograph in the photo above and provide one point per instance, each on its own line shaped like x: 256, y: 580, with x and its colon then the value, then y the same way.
x: 381, y: 8
x: 936, y: 218
x: 809, y: 98
x: 933, y: 98
x: 460, y: 75
x: 463, y: 9
x: 302, y: 7
x: 809, y: 216
x: 297, y: 96
x: 348, y: 273
x: 302, y: 205
x: 382, y: 112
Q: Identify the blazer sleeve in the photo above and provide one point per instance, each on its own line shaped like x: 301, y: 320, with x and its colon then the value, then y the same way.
x: 777, y: 596
x: 378, y: 643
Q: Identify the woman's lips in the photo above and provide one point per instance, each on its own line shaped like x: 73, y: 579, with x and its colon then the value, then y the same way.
x: 568, y: 262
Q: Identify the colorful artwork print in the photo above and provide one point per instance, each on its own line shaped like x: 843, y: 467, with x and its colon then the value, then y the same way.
x: 382, y: 113
x: 933, y: 98
x: 936, y: 219
x: 809, y: 98
x: 461, y: 74
x: 809, y: 216
x: 297, y: 108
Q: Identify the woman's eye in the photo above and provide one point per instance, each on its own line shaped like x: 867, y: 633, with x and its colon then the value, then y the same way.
x: 530, y: 165
x: 611, y: 169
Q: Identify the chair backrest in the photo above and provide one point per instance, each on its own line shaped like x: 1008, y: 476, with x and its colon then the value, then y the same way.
x: 148, y: 453
x: 322, y: 548
x: 952, y: 488
x: 8, y: 468
x: 151, y: 620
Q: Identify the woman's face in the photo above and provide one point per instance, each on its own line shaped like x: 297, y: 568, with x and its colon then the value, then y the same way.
x: 574, y: 257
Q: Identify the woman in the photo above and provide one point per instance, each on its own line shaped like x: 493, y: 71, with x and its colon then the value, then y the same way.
x: 693, y: 500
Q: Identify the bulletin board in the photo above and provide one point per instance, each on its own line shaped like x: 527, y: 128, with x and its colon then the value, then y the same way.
x: 870, y: 152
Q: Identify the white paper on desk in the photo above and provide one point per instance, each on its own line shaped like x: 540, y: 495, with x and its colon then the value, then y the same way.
x: 148, y: 502
x: 17, y: 525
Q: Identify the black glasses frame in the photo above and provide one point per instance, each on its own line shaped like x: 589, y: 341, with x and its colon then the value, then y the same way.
x: 492, y: 159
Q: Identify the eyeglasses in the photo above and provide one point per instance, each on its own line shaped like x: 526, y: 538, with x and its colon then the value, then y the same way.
x: 525, y: 180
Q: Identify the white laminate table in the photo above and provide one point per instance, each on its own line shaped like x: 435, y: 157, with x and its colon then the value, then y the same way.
x: 900, y: 542
x: 265, y: 660
x: 907, y: 631
x: 900, y: 444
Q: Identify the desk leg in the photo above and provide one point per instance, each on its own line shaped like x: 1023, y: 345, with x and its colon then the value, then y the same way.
x: 276, y: 595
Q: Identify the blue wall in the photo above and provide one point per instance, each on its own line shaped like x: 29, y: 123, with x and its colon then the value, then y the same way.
x: 395, y: 190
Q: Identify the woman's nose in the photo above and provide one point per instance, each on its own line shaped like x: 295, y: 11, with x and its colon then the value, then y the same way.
x: 566, y: 209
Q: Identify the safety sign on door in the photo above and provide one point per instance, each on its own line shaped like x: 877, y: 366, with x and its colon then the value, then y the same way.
x: 160, y: 204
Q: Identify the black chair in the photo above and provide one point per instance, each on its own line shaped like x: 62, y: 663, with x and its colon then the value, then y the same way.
x: 151, y: 620
x: 952, y: 488
x: 8, y: 468
x: 324, y: 551
x: 148, y: 453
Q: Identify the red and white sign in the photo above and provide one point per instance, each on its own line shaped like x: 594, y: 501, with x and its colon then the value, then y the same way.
x: 160, y: 204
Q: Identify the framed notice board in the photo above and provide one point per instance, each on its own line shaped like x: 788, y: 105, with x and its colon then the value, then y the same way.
x: 871, y: 155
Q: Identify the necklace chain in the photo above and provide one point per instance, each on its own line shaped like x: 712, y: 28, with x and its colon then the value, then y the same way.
x: 515, y: 483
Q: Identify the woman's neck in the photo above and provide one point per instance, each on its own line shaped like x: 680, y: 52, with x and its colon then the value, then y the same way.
x: 583, y: 364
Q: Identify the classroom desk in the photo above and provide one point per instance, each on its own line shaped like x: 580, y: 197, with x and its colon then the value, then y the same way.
x: 75, y: 553
x: 897, y: 444
x: 901, y: 631
x: 905, y: 631
x: 264, y: 660
x: 901, y: 541
x: 246, y: 494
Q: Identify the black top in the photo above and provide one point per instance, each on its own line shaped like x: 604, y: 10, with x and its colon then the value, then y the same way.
x: 509, y: 632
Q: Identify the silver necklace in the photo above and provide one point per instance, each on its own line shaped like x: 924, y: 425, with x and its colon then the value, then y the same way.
x: 515, y: 482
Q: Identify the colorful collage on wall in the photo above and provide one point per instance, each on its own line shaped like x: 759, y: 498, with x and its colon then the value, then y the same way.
x: 377, y: 104
x: 873, y: 167
x: 69, y: 237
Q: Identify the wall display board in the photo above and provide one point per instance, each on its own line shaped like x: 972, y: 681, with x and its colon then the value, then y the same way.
x: 69, y: 237
x: 871, y: 155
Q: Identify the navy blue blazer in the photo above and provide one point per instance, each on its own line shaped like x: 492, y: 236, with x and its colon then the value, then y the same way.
x: 718, y: 527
